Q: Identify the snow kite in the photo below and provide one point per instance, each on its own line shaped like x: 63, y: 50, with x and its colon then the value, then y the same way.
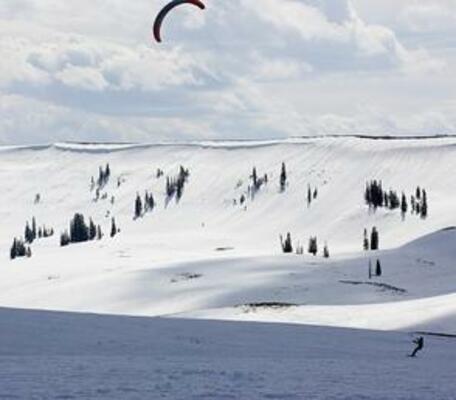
x: 164, y: 12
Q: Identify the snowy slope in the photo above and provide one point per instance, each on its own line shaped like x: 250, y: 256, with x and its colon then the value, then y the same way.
x: 91, y: 357
x: 167, y: 263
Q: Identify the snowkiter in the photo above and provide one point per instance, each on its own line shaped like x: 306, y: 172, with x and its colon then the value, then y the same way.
x: 419, y: 345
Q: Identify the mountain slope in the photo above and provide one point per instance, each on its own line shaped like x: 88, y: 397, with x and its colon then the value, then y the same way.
x: 206, y: 255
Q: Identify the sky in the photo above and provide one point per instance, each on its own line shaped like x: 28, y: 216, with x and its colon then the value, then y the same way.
x: 89, y: 70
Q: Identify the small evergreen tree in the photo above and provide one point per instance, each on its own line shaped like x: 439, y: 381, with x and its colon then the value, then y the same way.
x: 79, y: 231
x: 374, y: 239
x: 370, y: 269
x: 33, y: 229
x: 113, y: 227
x: 365, y: 241
x: 378, y: 268
x: 100, y: 177
x: 326, y: 251
x: 138, y: 206
x: 313, y: 246
x: 151, y: 202
x: 92, y: 230
x: 99, y: 233
x: 64, y: 239
x: 13, y: 250
x: 286, y: 244
x: 254, y: 178
x: 283, y: 178
x: 424, y: 205
x: 404, y: 205
x: 28, y: 234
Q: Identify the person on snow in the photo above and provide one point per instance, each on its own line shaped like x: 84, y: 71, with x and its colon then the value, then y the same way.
x: 419, y: 345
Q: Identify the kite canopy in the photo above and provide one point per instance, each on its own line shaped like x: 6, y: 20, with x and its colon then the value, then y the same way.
x: 164, y: 12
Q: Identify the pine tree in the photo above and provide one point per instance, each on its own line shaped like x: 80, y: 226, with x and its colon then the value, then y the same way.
x: 100, y: 177
x: 404, y: 205
x: 146, y: 202
x: 99, y: 233
x: 370, y: 269
x: 79, y: 231
x: 374, y: 239
x: 326, y: 251
x: 313, y: 246
x: 378, y: 268
x: 107, y: 173
x: 92, y: 230
x: 64, y: 239
x: 365, y: 241
x: 424, y: 205
x: 113, y: 227
x: 309, y: 196
x: 283, y: 178
x: 138, y: 206
x: 151, y: 202
x: 33, y: 229
x: 28, y: 235
x: 254, y: 178
x: 13, y: 250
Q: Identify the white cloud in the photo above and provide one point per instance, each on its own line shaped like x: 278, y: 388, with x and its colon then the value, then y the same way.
x: 430, y: 16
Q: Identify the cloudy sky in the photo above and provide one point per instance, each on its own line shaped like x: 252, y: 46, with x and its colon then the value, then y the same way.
x: 89, y: 70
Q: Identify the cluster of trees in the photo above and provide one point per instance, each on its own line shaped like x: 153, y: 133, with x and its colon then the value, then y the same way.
x: 31, y: 233
x: 20, y: 246
x: 419, y: 204
x: 175, y: 186
x: 287, y: 246
x: 377, y: 271
x: 257, y: 182
x: 311, y: 195
x: 19, y: 249
x: 81, y: 232
x: 143, y: 207
x: 373, y: 244
x: 376, y: 197
x: 103, y: 178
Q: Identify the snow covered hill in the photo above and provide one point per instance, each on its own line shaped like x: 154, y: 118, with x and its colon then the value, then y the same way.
x: 208, y: 256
